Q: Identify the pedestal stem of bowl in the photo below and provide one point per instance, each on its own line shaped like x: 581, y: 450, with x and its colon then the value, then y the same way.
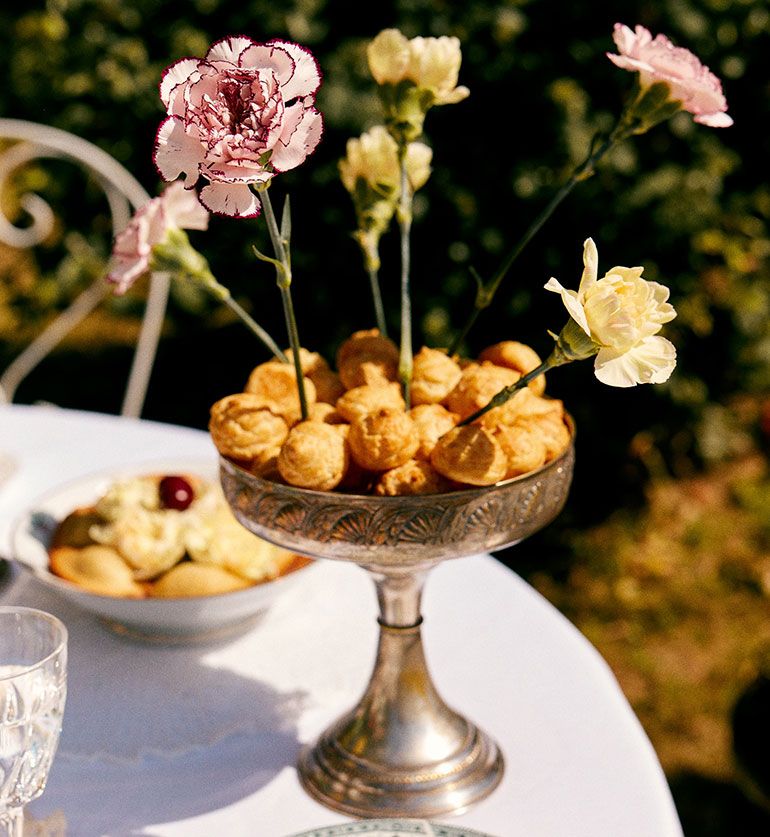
x: 399, y: 594
x: 401, y: 751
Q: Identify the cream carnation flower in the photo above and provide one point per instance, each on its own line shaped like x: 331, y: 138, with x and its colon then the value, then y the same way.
x: 621, y: 314
x: 373, y: 158
x: 432, y: 64
x: 371, y: 173
x: 388, y: 56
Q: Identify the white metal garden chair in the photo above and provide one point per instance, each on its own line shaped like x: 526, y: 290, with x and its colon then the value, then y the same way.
x: 124, y: 195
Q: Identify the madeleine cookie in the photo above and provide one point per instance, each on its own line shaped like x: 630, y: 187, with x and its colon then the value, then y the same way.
x: 516, y: 356
x: 98, y: 569
x: 434, y: 376
x: 276, y: 384
x: 193, y: 579
x: 244, y: 430
x: 471, y: 455
x: 383, y: 440
x: 75, y: 529
x: 315, y: 455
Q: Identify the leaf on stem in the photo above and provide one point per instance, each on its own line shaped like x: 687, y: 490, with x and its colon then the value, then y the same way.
x: 286, y: 224
x: 265, y: 258
x: 483, y: 294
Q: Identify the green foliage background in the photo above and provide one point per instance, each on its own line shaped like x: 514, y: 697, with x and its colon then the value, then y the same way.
x: 689, y: 203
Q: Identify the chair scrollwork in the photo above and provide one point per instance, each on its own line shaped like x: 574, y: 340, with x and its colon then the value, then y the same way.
x: 124, y: 194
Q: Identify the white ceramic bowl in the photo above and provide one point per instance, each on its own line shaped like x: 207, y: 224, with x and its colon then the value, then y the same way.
x: 161, y: 620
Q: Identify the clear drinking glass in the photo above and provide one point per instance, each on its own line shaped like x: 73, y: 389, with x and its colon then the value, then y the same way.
x: 33, y: 688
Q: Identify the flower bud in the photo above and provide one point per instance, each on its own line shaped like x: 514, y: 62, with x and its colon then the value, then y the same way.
x: 373, y: 157
x: 158, y: 221
x: 388, y: 56
x: 573, y: 343
x: 175, y: 255
x: 371, y: 172
x: 413, y: 76
x: 435, y: 65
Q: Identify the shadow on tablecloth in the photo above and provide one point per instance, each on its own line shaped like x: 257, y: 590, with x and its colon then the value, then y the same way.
x: 158, y: 734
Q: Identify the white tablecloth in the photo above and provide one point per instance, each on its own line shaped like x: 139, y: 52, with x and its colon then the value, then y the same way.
x: 202, y: 740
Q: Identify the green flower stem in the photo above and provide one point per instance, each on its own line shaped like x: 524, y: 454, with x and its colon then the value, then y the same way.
x: 486, y: 292
x: 283, y: 278
x: 405, y: 225
x: 368, y: 238
x: 176, y: 256
x: 572, y: 344
x: 291, y: 322
x: 379, y: 310
x: 255, y: 327
x: 557, y: 358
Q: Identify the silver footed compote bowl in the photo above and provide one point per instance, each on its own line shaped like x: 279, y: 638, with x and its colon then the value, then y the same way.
x: 401, y: 751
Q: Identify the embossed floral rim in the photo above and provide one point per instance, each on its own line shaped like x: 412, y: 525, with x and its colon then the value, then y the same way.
x: 408, y: 530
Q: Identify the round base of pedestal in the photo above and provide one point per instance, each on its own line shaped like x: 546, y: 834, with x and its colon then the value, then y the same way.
x: 362, y: 787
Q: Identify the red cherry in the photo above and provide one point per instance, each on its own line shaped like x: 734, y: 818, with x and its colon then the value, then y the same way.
x: 175, y: 493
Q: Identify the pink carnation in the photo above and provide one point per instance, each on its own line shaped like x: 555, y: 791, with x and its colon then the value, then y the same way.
x: 657, y: 59
x: 236, y: 117
x: 176, y: 208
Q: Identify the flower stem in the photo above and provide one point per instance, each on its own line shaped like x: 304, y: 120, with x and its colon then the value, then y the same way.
x: 405, y: 225
x: 283, y: 278
x: 556, y: 358
x: 379, y: 310
x: 583, y: 171
x: 255, y: 327
x: 176, y: 255
x: 291, y: 322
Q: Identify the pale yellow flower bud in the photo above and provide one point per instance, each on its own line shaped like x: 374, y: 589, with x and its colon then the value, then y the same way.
x: 369, y: 242
x: 373, y: 157
x: 351, y: 165
x: 413, y: 76
x: 418, y: 159
x: 371, y: 173
x: 434, y: 64
x: 389, y: 57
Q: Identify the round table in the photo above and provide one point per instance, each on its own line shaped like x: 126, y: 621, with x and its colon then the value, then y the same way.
x: 202, y: 739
